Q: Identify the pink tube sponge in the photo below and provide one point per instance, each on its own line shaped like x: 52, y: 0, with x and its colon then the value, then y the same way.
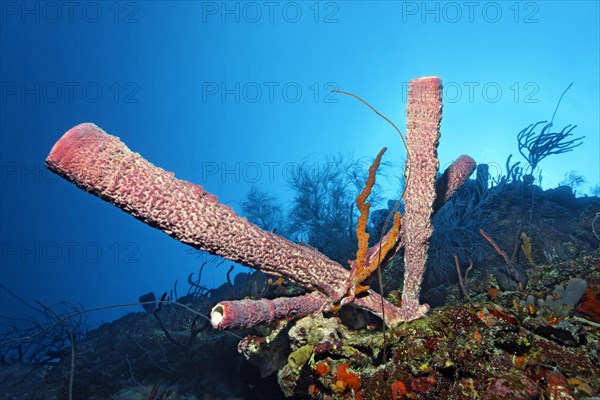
x: 101, y: 164
x: 248, y: 313
x: 423, y: 119
x: 452, y: 179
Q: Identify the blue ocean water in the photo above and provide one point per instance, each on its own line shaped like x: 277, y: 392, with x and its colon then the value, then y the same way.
x: 230, y: 94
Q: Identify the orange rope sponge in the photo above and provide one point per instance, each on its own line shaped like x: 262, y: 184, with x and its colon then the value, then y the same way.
x: 363, y: 269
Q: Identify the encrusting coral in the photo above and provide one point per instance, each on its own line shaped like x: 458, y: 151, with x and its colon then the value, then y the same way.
x: 102, y: 165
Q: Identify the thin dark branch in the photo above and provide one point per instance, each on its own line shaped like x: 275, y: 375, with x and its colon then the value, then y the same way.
x: 534, y: 147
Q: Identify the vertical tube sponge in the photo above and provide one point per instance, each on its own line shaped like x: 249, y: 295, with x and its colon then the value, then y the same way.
x: 423, y: 118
